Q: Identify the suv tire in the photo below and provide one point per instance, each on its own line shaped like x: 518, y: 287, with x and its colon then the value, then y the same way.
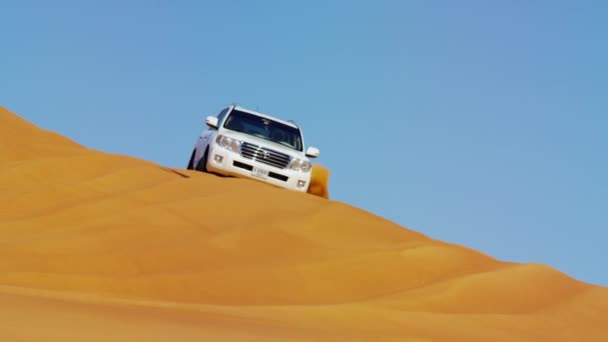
x: 202, y: 164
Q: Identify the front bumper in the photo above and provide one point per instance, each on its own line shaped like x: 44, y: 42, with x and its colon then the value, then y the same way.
x: 224, y: 162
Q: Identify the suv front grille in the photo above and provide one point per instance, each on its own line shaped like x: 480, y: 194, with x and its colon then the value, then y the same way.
x: 265, y: 155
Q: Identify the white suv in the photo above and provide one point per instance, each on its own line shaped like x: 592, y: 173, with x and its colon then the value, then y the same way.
x: 244, y: 143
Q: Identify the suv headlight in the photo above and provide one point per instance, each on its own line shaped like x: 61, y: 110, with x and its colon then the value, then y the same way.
x: 300, y: 165
x: 228, y: 143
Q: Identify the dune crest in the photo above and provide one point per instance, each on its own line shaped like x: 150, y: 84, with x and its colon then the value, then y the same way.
x: 97, y: 246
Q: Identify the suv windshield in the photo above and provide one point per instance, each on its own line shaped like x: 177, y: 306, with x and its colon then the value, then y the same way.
x: 264, y: 128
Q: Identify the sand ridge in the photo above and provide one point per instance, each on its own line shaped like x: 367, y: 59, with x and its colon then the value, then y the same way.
x: 131, y: 249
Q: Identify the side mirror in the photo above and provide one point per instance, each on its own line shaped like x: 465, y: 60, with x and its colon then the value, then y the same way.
x: 211, y: 121
x: 312, y: 152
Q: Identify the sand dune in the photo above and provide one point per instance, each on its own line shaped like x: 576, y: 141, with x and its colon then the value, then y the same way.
x: 97, y: 246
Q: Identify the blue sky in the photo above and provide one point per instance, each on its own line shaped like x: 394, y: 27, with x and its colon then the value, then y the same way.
x: 482, y: 123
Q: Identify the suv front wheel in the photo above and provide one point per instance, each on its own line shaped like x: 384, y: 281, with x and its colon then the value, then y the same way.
x: 202, y: 164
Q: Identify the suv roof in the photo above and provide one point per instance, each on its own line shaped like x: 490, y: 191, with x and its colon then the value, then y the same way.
x: 288, y: 122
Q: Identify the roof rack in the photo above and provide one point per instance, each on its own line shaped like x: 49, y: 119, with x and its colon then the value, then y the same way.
x: 293, y: 122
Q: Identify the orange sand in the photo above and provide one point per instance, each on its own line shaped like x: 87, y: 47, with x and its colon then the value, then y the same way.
x: 319, y: 182
x: 103, y: 247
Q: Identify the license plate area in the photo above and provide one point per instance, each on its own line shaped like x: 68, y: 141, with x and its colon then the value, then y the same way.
x: 260, y: 173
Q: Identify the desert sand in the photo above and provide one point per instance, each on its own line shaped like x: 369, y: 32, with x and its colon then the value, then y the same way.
x: 104, y: 247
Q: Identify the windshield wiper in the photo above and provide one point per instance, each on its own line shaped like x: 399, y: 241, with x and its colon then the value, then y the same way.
x: 283, y: 143
x: 274, y: 141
